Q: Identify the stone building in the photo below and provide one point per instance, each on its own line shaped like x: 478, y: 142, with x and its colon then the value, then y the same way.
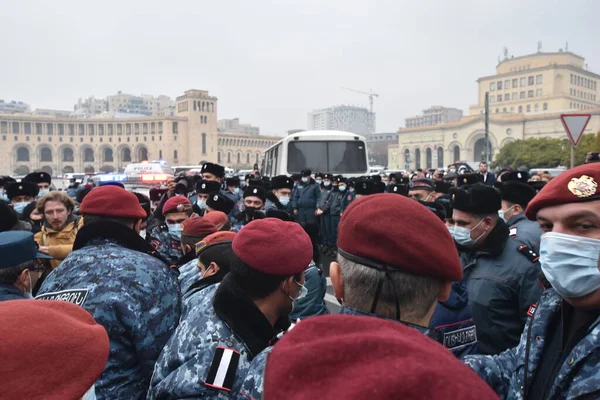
x: 60, y: 145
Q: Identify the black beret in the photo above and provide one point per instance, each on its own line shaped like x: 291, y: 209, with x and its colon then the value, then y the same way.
x: 215, y: 169
x: 537, y: 185
x: 399, y: 189
x: 516, y: 192
x: 157, y: 193
x: 515, y: 176
x: 256, y: 191
x: 207, y: 187
x: 218, y: 202
x: 436, y: 208
x: 476, y: 199
x: 38, y: 177
x: 235, y: 181
x: 468, y: 179
x: 305, y: 172
x: 442, y: 186
x: 22, y: 189
x: 282, y: 182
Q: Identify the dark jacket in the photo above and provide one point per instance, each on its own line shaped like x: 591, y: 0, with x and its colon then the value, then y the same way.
x: 334, y: 201
x: 454, y: 320
x: 525, y: 231
x: 490, y: 178
x: 313, y: 303
x: 11, y: 292
x: 502, y: 284
x: 323, y: 194
x: 306, y: 196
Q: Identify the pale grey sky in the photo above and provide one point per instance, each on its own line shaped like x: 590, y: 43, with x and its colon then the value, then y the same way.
x: 271, y: 62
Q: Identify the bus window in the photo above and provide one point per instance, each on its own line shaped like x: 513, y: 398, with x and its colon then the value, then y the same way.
x: 327, y: 156
x: 307, y: 155
x: 275, y: 166
x: 347, y: 157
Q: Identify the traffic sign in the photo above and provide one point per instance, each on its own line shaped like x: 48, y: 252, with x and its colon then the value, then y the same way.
x: 575, y: 126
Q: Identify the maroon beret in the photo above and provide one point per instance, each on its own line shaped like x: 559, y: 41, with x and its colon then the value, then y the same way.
x: 218, y: 218
x: 346, y: 357
x: 401, y: 233
x: 112, y: 201
x: 198, y: 226
x: 572, y: 186
x: 177, y: 204
x: 274, y: 247
x: 67, y: 341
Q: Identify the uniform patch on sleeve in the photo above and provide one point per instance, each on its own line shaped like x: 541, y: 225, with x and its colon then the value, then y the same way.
x: 75, y: 296
x: 529, y: 253
x: 155, y: 243
x: 460, y: 337
x: 531, y: 310
x: 512, y: 231
x: 223, y: 368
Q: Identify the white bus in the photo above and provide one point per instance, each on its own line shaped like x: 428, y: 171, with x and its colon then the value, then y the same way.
x: 334, y: 152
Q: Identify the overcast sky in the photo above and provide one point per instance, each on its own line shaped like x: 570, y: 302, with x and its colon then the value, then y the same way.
x: 271, y: 62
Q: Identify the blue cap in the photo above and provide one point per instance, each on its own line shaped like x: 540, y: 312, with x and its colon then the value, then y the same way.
x: 18, y: 247
x: 112, y: 183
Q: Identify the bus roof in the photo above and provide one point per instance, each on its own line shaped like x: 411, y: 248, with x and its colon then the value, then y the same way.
x: 331, y: 135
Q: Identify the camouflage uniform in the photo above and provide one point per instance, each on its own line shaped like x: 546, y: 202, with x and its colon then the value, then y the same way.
x: 578, y: 377
x: 188, y: 274
x: 184, y: 362
x: 166, y: 246
x: 253, y: 385
x: 133, y: 295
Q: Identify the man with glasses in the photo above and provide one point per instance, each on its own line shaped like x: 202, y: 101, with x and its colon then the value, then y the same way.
x: 19, y: 265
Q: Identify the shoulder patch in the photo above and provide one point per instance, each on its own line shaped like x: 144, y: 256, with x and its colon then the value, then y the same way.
x: 75, y: 296
x: 460, y: 337
x: 531, y: 310
x: 512, y: 231
x: 155, y: 243
x: 529, y: 253
x: 223, y: 368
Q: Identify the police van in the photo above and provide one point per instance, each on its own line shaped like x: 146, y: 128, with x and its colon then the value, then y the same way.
x: 146, y: 174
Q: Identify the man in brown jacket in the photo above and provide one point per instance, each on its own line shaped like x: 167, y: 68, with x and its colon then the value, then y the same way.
x: 59, y: 228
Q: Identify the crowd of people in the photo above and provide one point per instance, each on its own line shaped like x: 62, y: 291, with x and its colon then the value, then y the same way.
x: 452, y: 284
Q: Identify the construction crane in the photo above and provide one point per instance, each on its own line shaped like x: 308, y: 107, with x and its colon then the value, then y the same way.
x: 370, y: 93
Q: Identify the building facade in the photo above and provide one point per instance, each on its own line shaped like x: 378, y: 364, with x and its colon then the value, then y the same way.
x: 377, y: 146
x: 144, y: 105
x: 12, y: 107
x: 434, y: 115
x: 342, y: 118
x: 59, y: 145
x: 90, y: 107
x: 535, y: 91
x: 538, y: 83
x: 234, y: 126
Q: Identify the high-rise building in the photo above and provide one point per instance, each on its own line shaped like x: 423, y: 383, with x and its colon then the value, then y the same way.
x: 342, y: 118
x: 233, y: 125
x: 539, y: 83
x: 89, y: 107
x: 434, y: 115
x: 12, y: 107
x: 142, y: 105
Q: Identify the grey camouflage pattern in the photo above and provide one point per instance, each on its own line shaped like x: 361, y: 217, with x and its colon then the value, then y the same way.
x: 189, y: 273
x: 136, y: 299
x: 184, y: 362
x: 253, y: 384
x: 578, y: 377
x: 162, y: 241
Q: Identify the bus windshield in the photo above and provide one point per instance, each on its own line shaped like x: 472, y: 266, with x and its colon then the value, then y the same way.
x: 336, y: 157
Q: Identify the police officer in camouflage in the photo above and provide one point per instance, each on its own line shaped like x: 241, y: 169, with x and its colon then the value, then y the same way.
x: 398, y: 274
x: 501, y: 277
x: 233, y: 321
x: 557, y: 356
x: 195, y: 230
x: 114, y: 274
x: 166, y: 238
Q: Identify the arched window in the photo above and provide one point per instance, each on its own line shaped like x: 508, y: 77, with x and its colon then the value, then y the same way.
x: 22, y: 154
x: 68, y: 170
x: 257, y: 158
x: 126, y: 154
x: 248, y: 158
x: 536, y: 108
x: 228, y: 157
x: 406, y: 159
x: 160, y: 154
x: 88, y: 155
x: 175, y: 154
x: 545, y: 108
x: 21, y: 170
x: 68, y: 154
x: 428, y: 158
x: 89, y: 169
x: 204, y: 143
x: 143, y: 154
x: 239, y: 158
x: 528, y: 108
x: 456, y: 153
x: 440, y: 154
x: 45, y: 154
x: 417, y: 158
x: 108, y: 155
x: 219, y: 157
x: 520, y: 109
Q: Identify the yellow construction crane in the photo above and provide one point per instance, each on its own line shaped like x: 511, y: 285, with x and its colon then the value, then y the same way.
x: 370, y: 93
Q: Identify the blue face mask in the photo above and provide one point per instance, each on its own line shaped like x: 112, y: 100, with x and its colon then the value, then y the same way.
x: 351, y: 190
x: 284, y: 200
x: 236, y: 191
x: 201, y: 204
x: 3, y: 195
x: 570, y: 263
x: 19, y: 207
x: 304, y: 180
x: 43, y: 192
x: 327, y: 183
x: 175, y: 231
x: 342, y: 188
x: 462, y: 235
x: 502, y: 213
x: 318, y: 181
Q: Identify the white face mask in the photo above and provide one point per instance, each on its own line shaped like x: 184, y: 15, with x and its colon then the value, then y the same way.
x: 90, y: 394
x: 29, y: 292
x: 502, y: 213
x: 143, y: 233
x: 284, y: 200
x: 201, y: 204
x: 462, y: 235
x: 43, y: 192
